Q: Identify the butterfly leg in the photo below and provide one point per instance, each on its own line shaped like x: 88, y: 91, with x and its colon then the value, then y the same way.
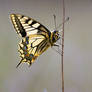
x: 56, y: 45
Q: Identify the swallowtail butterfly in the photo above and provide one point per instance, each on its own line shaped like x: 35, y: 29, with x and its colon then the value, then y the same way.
x: 36, y: 38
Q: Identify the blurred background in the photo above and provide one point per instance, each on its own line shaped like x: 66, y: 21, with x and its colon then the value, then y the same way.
x: 44, y: 75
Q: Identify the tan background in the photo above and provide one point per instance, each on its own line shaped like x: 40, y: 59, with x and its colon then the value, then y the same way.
x: 44, y: 74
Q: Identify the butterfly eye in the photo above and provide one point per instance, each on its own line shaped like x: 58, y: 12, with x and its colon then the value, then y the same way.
x: 56, y: 36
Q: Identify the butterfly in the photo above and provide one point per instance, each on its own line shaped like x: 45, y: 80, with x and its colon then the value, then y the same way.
x: 36, y: 38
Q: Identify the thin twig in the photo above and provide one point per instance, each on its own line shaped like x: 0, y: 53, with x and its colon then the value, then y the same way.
x: 62, y: 56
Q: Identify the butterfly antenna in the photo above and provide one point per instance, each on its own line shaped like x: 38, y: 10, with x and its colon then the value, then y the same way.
x: 54, y: 20
x: 57, y: 51
x: 67, y: 19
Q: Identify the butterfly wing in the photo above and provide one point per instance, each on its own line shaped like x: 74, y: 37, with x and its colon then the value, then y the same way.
x: 26, y: 26
x: 35, y: 37
x: 31, y: 47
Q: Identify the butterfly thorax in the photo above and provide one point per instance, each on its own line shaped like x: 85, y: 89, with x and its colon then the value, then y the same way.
x: 54, y: 37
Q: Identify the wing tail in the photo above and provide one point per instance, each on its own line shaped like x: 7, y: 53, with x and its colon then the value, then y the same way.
x: 19, y: 64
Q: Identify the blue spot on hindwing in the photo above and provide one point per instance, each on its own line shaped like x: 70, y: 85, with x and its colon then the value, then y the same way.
x: 25, y: 53
x: 27, y: 40
x: 25, y: 48
x: 31, y: 55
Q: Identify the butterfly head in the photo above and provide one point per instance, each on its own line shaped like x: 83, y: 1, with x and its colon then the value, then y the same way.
x: 55, y: 36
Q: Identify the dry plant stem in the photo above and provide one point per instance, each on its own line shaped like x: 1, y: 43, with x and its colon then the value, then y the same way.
x: 62, y: 56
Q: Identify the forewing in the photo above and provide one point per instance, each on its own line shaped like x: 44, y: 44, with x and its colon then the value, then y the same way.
x: 26, y: 26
